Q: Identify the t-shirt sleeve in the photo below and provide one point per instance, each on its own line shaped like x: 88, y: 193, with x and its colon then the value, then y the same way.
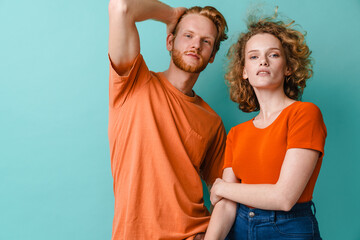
x: 307, y: 128
x: 212, y: 165
x: 122, y: 87
x: 228, y: 151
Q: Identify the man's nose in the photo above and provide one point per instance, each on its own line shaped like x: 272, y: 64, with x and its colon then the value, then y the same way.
x: 196, y: 43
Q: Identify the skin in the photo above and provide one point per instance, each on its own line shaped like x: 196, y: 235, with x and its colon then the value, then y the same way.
x: 265, y: 64
x: 124, y: 43
x: 224, y: 212
x: 193, y: 44
x: 265, y: 67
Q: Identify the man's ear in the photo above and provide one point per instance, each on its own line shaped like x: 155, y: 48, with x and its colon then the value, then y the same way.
x: 212, y: 58
x: 170, y: 41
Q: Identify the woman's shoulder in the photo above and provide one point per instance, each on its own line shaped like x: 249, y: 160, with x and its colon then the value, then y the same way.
x: 305, y: 110
x: 304, y: 107
x: 240, y: 127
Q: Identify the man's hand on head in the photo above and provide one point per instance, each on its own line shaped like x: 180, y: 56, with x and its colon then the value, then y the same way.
x: 178, y: 12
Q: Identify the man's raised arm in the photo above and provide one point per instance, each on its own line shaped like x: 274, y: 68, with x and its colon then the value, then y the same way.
x: 124, y: 43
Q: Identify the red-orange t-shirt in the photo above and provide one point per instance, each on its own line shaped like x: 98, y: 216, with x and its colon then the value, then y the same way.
x: 161, y: 142
x: 256, y: 155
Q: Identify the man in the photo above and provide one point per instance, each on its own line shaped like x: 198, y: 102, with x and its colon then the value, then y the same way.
x: 162, y: 136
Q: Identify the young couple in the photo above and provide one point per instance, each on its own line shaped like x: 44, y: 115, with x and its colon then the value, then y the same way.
x: 164, y: 138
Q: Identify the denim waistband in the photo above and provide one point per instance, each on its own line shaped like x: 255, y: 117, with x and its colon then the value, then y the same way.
x: 298, y: 210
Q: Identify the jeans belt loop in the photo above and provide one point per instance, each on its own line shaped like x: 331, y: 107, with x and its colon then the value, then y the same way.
x: 313, y: 207
x: 273, y: 216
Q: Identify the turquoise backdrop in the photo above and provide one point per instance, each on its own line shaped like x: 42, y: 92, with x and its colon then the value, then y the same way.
x: 55, y: 178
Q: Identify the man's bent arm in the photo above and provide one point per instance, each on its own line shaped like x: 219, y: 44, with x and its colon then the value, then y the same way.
x: 124, y: 43
x: 223, y: 214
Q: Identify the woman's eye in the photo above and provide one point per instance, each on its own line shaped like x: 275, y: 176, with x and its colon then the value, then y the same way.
x: 253, y: 57
x: 188, y: 35
x: 274, y: 55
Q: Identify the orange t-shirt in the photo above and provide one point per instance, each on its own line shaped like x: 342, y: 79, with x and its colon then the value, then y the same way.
x: 256, y: 155
x: 161, y: 142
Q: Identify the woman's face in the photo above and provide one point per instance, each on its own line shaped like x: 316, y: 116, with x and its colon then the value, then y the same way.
x: 265, y: 62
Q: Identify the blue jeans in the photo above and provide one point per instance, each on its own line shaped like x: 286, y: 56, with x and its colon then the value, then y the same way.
x: 256, y: 224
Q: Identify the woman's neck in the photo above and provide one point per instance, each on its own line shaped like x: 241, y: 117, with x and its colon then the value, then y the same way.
x: 271, y: 104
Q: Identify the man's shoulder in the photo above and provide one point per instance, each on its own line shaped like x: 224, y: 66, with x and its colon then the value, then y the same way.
x: 207, y: 107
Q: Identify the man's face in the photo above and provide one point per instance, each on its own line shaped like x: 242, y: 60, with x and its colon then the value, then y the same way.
x: 192, y: 47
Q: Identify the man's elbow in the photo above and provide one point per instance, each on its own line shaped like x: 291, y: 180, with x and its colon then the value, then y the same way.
x: 120, y: 7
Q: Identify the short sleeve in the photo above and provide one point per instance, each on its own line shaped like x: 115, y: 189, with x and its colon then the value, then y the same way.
x: 212, y: 166
x: 122, y: 87
x: 228, y: 151
x: 307, y: 128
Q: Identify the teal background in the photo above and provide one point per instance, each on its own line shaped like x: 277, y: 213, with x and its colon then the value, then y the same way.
x: 55, y: 178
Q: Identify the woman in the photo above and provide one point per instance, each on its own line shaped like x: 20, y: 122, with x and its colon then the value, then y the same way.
x: 272, y: 161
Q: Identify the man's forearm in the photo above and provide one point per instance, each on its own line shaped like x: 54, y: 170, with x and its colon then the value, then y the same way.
x: 141, y: 10
x: 222, y: 219
x: 124, y: 42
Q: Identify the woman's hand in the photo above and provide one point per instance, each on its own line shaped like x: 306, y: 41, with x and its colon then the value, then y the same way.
x: 214, y: 196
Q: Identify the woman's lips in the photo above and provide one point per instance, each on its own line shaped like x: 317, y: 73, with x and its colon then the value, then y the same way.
x: 263, y: 72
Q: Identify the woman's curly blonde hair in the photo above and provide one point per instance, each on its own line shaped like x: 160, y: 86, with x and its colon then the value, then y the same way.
x: 297, y: 56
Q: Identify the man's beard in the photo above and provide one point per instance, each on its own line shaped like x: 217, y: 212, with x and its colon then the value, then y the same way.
x: 180, y: 63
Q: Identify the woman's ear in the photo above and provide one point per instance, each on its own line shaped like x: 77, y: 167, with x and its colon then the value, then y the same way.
x: 245, y: 76
x: 288, y: 71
